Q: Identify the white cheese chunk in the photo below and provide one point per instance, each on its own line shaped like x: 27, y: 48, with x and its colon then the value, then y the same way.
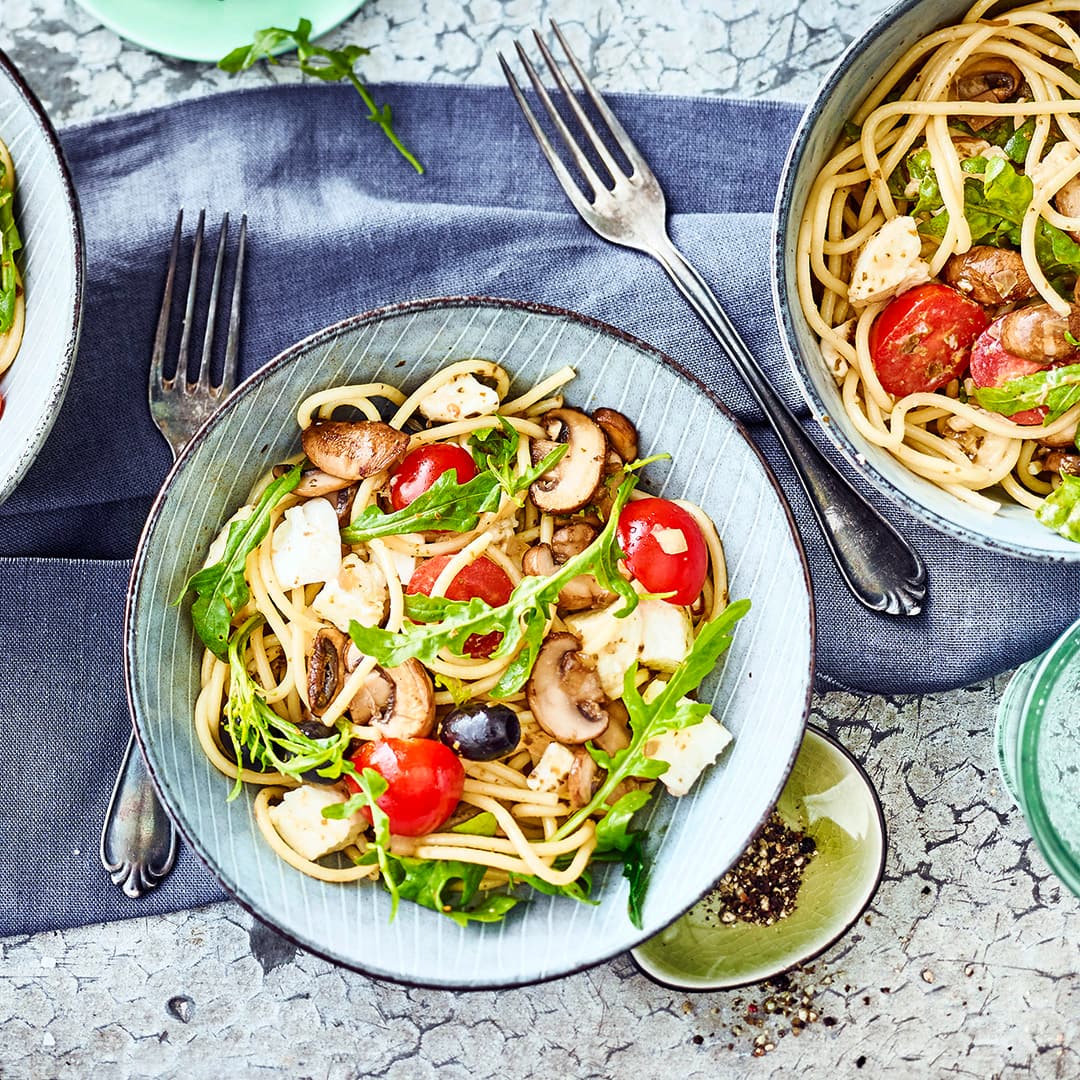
x: 890, y: 263
x: 358, y: 592
x: 671, y: 541
x: 688, y: 752
x: 458, y: 398
x: 405, y: 565
x: 299, y: 821
x: 656, y: 634
x: 552, y: 769
x: 216, y: 551
x: 307, y: 545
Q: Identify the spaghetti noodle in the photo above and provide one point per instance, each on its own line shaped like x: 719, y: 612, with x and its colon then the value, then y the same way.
x: 969, y: 111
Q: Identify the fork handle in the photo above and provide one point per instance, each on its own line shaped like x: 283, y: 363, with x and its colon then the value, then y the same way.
x: 878, y: 565
x: 138, y: 839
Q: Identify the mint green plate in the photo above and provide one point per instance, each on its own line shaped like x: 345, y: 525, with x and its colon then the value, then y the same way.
x: 208, y: 29
x: 829, y: 797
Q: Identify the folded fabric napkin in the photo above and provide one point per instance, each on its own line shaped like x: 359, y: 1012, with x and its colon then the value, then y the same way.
x: 339, y: 224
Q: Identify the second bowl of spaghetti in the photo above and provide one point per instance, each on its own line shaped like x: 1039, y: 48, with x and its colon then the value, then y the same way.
x: 925, y: 267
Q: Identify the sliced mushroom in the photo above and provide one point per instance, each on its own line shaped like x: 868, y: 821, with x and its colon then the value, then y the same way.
x: 570, y: 485
x: 621, y: 434
x: 343, y: 504
x: 986, y: 78
x: 1067, y: 201
x: 616, y: 736
x: 579, y: 784
x: 399, y: 701
x: 989, y: 275
x: 564, y: 692
x: 326, y: 668
x: 354, y: 449
x: 579, y: 593
x: 1037, y: 333
x: 314, y: 482
x: 1059, y: 462
x: 570, y: 540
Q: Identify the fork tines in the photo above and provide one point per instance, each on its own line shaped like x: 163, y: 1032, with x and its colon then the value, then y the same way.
x: 640, y: 175
x: 180, y: 373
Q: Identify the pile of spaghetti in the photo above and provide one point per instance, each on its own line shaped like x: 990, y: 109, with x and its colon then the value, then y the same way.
x: 938, y: 259
x: 455, y: 647
x: 12, y: 304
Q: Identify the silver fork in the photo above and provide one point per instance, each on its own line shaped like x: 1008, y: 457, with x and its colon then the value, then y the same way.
x: 138, y: 839
x: 880, y: 568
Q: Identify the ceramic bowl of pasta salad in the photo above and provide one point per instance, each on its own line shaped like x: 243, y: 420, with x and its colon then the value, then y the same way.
x: 41, y: 276
x: 493, y: 644
x: 927, y: 267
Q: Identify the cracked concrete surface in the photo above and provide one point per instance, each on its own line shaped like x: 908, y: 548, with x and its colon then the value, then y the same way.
x: 965, y: 965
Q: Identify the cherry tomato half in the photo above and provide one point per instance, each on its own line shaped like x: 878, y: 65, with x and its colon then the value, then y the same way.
x: 481, y: 578
x: 423, y: 466
x: 425, y: 780
x: 991, y: 365
x: 664, y: 548
x: 922, y: 339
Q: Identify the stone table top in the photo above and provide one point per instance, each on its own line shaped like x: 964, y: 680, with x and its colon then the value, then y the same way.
x: 965, y: 964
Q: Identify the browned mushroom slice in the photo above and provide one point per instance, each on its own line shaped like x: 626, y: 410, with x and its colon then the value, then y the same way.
x: 1067, y: 201
x: 621, y: 433
x: 579, y: 593
x: 564, y: 692
x: 986, y: 78
x: 399, y: 701
x: 1059, y: 462
x: 570, y: 485
x: 570, y: 540
x: 314, y: 482
x: 326, y: 668
x: 1038, y: 333
x: 989, y: 275
x: 616, y: 736
x: 579, y: 784
x: 353, y: 450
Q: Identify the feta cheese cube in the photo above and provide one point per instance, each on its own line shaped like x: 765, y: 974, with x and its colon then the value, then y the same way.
x: 552, y: 769
x: 890, y: 263
x: 307, y: 545
x: 667, y: 634
x: 299, y: 821
x: 459, y: 398
x: 688, y: 752
x: 358, y: 592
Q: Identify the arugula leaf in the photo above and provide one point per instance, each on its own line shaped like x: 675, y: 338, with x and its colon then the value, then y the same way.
x: 522, y: 620
x: 259, y: 735
x: 578, y: 889
x: 495, y: 449
x: 445, y: 505
x: 1056, y: 388
x: 1060, y: 510
x: 448, y: 887
x: 221, y: 589
x: 10, y: 242
x: 670, y: 710
x: 482, y: 824
x: 330, y: 65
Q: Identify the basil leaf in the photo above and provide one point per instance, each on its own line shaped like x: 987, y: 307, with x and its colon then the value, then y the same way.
x: 445, y: 505
x: 1060, y: 510
x: 221, y: 589
x: 329, y: 65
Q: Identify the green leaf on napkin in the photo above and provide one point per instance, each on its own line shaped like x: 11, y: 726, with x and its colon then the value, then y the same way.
x: 330, y: 65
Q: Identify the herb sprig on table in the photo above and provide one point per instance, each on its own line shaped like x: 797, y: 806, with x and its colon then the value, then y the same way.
x: 330, y: 65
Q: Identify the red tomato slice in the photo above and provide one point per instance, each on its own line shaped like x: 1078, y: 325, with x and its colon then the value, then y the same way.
x: 423, y: 466
x: 922, y: 339
x: 481, y: 578
x: 664, y: 548
x: 425, y: 780
x: 991, y: 365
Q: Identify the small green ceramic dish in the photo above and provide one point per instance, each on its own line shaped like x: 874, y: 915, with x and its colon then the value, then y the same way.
x: 830, y: 798
x: 208, y: 29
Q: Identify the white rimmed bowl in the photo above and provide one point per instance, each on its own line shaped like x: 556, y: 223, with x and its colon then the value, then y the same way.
x: 1013, y: 530
x: 52, y: 262
x: 761, y: 691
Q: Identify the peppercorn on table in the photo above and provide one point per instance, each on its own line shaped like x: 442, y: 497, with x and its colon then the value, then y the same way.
x: 965, y: 963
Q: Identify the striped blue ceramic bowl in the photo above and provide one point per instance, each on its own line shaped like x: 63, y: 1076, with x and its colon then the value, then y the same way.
x: 761, y: 692
x: 52, y: 263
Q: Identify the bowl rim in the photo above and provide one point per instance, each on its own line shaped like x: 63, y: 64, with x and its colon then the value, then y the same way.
x: 1053, y: 848
x: 287, y: 356
x: 54, y: 397
x: 783, y: 214
x: 812, y: 730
